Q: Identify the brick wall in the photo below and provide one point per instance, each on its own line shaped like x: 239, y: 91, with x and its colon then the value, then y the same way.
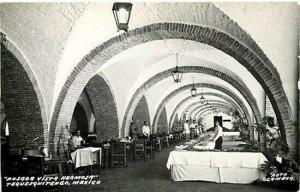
x: 104, y: 106
x: 162, y: 125
x: 21, y: 104
x: 141, y: 114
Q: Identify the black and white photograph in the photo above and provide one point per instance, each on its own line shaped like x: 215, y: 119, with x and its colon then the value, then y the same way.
x: 146, y: 96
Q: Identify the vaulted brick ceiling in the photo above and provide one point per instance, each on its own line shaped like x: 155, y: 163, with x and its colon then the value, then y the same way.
x: 141, y: 62
x: 62, y: 44
x: 71, y: 30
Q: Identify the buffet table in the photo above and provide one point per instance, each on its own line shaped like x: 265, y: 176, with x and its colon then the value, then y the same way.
x: 220, y: 167
x: 86, y: 156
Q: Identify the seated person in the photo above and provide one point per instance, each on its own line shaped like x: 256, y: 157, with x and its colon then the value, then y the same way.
x: 76, y: 141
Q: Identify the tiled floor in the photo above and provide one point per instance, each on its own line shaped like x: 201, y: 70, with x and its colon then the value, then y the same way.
x: 153, y: 176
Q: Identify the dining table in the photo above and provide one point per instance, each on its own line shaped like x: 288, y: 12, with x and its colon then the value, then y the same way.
x: 216, y: 166
x: 87, y: 156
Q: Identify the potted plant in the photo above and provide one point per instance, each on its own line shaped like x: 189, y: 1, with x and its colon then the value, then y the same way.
x: 280, y: 170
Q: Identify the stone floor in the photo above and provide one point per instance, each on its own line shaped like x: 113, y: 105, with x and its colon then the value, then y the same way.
x: 152, y: 176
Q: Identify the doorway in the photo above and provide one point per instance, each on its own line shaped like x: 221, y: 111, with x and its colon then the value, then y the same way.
x: 218, y: 118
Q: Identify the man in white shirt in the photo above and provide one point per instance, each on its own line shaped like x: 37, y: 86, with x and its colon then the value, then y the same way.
x: 146, y: 130
x: 186, y: 130
x: 76, y: 141
x: 218, y: 138
x: 193, y: 129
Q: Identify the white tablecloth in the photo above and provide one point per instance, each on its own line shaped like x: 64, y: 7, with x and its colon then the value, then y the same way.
x: 221, y: 167
x: 86, y: 156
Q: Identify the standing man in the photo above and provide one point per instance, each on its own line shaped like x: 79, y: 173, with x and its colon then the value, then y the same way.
x: 186, y: 130
x: 193, y: 129
x: 146, y: 130
x: 218, y: 138
x: 76, y: 141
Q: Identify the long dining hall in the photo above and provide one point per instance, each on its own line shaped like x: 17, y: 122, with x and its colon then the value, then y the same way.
x: 150, y: 96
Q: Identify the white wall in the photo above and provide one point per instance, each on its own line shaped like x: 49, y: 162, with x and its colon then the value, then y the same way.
x: 274, y: 27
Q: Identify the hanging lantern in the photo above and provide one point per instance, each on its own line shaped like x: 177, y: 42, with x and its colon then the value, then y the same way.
x: 176, y: 73
x: 194, y: 91
x: 202, y: 99
x: 122, y: 13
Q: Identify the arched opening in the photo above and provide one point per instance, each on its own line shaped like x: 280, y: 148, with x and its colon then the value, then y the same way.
x: 79, y: 121
x: 104, y: 107
x: 216, y: 87
x: 141, y: 114
x: 22, y: 100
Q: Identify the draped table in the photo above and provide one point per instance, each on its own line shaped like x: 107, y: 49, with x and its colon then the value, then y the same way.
x: 220, y: 167
x: 86, y: 156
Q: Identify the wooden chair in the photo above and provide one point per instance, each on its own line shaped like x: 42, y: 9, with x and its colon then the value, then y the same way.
x: 165, y: 141
x: 129, y: 148
x: 139, y: 150
x: 97, y: 163
x: 149, y: 147
x: 69, y: 162
x: 118, y: 154
x: 157, y: 144
x: 35, y: 166
x: 106, y: 148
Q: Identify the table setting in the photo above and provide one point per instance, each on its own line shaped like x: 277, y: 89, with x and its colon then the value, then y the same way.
x: 198, y: 160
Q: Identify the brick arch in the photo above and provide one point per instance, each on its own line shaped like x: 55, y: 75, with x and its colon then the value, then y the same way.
x: 203, y: 112
x: 141, y: 114
x: 219, y: 88
x: 162, y: 123
x: 214, y: 104
x: 246, y: 52
x: 197, y: 102
x: 186, y: 87
x: 200, y: 113
x: 104, y: 107
x: 23, y: 100
x: 210, y: 101
x: 233, y: 104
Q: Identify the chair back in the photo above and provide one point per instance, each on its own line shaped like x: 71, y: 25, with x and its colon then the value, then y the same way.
x: 70, y: 145
x: 118, y: 154
x: 139, y: 145
x: 118, y: 148
x: 35, y: 165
